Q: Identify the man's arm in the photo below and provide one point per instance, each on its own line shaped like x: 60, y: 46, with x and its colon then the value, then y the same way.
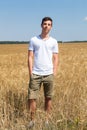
x: 30, y: 61
x: 55, y: 63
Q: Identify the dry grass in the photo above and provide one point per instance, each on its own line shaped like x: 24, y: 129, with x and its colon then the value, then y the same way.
x: 69, y: 110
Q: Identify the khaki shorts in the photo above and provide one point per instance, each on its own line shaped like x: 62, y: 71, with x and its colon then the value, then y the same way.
x: 35, y: 84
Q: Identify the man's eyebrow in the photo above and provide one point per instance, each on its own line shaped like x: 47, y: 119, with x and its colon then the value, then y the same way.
x: 48, y: 23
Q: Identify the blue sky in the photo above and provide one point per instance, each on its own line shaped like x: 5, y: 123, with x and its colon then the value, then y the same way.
x: 20, y: 19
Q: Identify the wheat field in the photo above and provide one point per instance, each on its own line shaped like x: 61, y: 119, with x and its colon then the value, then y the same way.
x: 69, y: 111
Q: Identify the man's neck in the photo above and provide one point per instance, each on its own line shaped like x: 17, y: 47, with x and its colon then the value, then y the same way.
x: 44, y: 36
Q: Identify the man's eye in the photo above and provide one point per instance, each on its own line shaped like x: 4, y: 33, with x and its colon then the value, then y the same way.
x: 49, y: 24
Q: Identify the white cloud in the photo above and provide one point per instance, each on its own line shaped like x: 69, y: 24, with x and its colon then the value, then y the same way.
x: 85, y: 19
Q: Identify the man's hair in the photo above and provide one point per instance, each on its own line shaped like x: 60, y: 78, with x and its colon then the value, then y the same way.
x: 46, y: 19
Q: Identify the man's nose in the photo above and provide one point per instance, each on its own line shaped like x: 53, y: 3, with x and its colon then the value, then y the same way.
x: 47, y: 25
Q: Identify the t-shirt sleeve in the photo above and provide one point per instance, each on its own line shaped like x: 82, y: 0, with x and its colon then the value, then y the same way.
x: 31, y: 47
x: 55, y: 48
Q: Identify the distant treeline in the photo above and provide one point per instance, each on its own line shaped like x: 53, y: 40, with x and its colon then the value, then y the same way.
x: 74, y: 41
x: 14, y: 42
x: 71, y: 41
x: 26, y: 42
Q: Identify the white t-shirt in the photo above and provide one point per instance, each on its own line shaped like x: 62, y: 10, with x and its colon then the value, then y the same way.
x: 43, y: 51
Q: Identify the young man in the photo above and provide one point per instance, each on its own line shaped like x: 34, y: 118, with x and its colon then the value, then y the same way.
x: 42, y: 63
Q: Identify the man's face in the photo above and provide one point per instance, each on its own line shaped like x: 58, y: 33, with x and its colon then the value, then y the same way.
x: 46, y: 26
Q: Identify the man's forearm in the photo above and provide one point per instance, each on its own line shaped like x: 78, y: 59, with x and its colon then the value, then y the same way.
x: 30, y: 65
x: 55, y: 64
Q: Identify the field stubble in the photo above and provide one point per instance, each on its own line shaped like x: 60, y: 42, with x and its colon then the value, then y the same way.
x: 69, y: 111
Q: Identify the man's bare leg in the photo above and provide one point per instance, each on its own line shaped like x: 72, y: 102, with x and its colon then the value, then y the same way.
x: 32, y: 108
x: 48, y: 106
